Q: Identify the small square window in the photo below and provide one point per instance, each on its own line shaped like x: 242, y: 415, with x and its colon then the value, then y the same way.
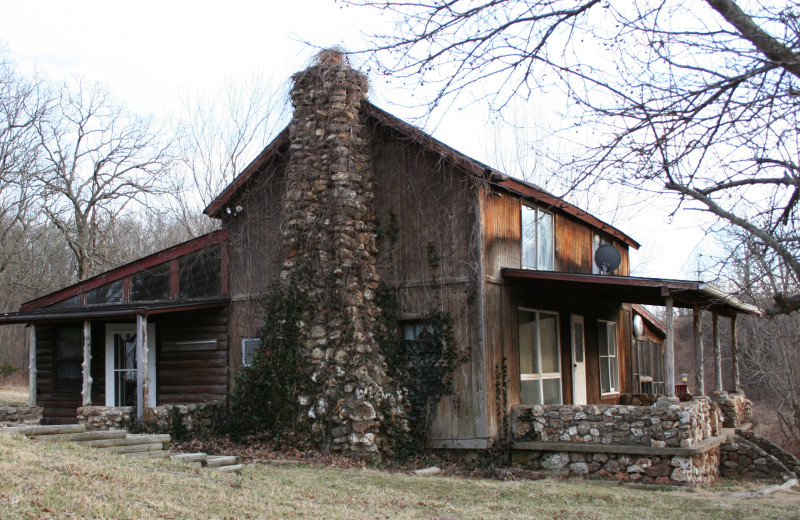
x: 249, y: 348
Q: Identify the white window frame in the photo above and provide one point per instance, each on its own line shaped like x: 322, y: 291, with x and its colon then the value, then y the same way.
x: 538, y: 352
x: 537, y: 238
x: 613, y: 358
x: 245, y: 342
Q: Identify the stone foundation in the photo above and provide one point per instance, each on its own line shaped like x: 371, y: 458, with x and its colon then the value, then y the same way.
x: 690, y: 470
x: 197, y: 417
x: 734, y: 407
x: 667, y: 423
x: 22, y: 414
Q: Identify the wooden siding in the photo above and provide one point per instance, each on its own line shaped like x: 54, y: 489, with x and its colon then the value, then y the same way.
x: 186, y: 374
x: 432, y: 258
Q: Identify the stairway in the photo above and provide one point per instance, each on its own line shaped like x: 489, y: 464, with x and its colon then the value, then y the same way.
x: 789, y: 461
x: 126, y: 444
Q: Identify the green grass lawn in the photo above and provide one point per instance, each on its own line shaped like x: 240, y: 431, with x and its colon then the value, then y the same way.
x: 64, y: 481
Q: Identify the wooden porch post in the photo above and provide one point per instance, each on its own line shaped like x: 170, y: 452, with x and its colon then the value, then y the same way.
x: 141, y: 359
x: 734, y: 355
x: 669, y: 352
x: 717, y: 352
x: 32, y: 364
x: 86, y: 389
x: 699, y: 372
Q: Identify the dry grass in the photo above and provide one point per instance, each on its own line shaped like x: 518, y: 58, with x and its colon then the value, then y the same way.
x: 52, y: 481
x: 13, y: 395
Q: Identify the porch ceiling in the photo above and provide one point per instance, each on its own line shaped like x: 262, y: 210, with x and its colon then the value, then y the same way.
x: 631, y: 289
x: 109, y: 311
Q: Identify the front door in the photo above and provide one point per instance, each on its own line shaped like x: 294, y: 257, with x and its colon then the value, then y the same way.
x: 121, y: 364
x: 578, y: 360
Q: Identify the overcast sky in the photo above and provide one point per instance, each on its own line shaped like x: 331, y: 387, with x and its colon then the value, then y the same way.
x: 151, y: 53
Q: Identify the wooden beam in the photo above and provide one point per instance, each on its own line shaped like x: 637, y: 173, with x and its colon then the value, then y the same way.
x: 86, y: 372
x: 669, y: 351
x: 699, y: 372
x: 140, y: 360
x: 734, y: 354
x: 145, y: 403
x: 717, y: 352
x: 32, y: 365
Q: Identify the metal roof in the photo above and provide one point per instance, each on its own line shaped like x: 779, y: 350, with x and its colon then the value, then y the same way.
x: 632, y: 289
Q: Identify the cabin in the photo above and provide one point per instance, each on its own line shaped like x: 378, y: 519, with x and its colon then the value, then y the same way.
x: 512, y: 265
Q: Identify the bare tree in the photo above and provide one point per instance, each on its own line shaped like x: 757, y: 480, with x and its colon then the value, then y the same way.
x: 695, y: 100
x: 219, y: 136
x: 97, y: 159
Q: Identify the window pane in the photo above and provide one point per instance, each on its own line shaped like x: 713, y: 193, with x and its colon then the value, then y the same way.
x: 545, y: 241
x: 577, y: 335
x: 152, y: 284
x: 109, y: 293
x: 530, y: 392
x: 528, y: 358
x: 549, y: 343
x: 528, y: 237
x: 75, y: 301
x: 605, y: 387
x: 552, y: 391
x: 602, y: 338
x: 200, y: 273
x: 68, y: 359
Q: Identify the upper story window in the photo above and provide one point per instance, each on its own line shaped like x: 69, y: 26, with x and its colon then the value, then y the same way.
x: 538, y: 243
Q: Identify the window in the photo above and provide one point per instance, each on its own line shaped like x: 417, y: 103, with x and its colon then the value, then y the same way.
x: 200, y: 273
x: 609, y: 363
x: 538, y: 245
x: 68, y: 359
x: 650, y: 366
x: 539, y: 357
x: 597, y: 241
x: 249, y: 347
x: 108, y: 293
x: 152, y: 284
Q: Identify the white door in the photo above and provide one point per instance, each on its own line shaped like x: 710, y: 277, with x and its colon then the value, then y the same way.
x: 121, y: 364
x: 578, y: 360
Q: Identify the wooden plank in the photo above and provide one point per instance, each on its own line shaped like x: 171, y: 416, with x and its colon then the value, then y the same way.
x: 41, y: 430
x: 200, y: 389
x: 194, y: 345
x: 148, y: 454
x: 83, y: 436
x: 137, y: 448
x: 170, y: 382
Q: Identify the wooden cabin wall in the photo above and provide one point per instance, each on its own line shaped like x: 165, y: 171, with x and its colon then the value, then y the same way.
x: 426, y: 218
x: 59, y: 407
x: 192, y: 376
x: 255, y: 255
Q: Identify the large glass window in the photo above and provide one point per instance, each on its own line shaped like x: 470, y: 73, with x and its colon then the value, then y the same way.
x: 108, y: 293
x: 650, y: 366
x: 68, y: 359
x: 539, y: 357
x: 538, y: 244
x: 609, y: 361
x: 151, y: 284
x: 200, y: 273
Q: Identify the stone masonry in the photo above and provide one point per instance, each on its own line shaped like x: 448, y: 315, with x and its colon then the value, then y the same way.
x: 21, y: 414
x: 197, y: 417
x: 735, y: 407
x: 666, y: 423
x: 331, y: 248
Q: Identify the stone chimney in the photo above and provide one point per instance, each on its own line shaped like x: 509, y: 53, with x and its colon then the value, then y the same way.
x: 329, y: 235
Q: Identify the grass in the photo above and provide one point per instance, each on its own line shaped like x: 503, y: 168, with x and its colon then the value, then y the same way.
x: 64, y: 481
x: 13, y: 395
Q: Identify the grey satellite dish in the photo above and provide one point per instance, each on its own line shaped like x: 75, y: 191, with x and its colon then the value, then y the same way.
x: 607, y: 258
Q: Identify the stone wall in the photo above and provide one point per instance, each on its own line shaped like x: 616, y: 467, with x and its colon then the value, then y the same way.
x: 666, y: 423
x: 197, y: 417
x: 735, y: 408
x: 742, y: 458
x: 97, y: 418
x: 21, y: 414
x: 692, y: 470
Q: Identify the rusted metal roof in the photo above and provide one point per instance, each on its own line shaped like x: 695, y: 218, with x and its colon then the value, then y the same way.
x: 632, y: 289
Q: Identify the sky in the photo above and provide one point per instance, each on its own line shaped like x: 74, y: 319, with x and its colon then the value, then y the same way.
x: 152, y: 54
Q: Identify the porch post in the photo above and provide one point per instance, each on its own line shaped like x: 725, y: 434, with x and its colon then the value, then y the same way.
x: 699, y: 372
x: 734, y: 355
x: 86, y: 389
x: 669, y: 352
x: 717, y: 352
x: 140, y: 373
x: 32, y: 364
x: 145, y: 402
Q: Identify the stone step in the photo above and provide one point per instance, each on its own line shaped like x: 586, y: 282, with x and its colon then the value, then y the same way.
x: 221, y: 460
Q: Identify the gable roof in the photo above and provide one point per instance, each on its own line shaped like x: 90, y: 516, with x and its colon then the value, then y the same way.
x: 426, y: 141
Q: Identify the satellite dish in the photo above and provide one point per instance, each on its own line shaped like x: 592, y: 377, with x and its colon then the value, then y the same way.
x: 638, y: 326
x: 607, y: 258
